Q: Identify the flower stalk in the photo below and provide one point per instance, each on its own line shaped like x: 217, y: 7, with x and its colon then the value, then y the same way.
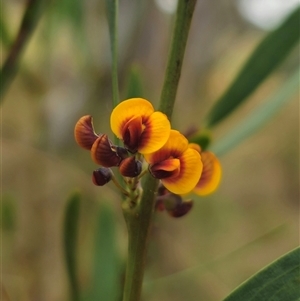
x: 138, y: 219
x: 184, y: 16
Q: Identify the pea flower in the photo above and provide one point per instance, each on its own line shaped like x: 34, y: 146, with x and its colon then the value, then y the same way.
x: 211, y: 174
x: 135, y: 122
x: 177, y: 165
x: 141, y: 128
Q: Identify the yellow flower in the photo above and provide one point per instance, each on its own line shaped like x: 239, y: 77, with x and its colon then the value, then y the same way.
x: 177, y: 165
x: 139, y: 126
x: 211, y: 174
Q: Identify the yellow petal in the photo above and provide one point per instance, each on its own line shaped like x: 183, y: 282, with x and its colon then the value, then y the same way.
x: 190, y: 172
x: 174, y: 147
x: 211, y: 175
x: 127, y: 109
x: 195, y: 146
x: 155, y: 134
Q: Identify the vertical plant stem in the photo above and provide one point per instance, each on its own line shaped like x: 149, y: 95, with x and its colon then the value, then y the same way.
x: 138, y: 222
x: 138, y: 219
x: 184, y: 16
x: 32, y: 15
x: 112, y: 14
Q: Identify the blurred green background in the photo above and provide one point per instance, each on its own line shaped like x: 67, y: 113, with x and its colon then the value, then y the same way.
x: 64, y: 74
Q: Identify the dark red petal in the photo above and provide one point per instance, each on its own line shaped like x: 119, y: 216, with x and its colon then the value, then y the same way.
x: 84, y: 132
x: 130, y: 167
x: 103, y: 152
x: 131, y: 133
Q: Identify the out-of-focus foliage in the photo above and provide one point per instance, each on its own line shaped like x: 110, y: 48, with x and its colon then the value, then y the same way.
x: 269, y: 53
x: 276, y: 282
x: 71, y: 225
x: 107, y: 267
x: 65, y: 73
x: 259, y: 117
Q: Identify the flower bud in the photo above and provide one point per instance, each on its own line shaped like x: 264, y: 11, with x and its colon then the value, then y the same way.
x: 181, y: 209
x: 130, y: 167
x: 171, y: 201
x: 84, y: 132
x: 104, y: 153
x: 101, y: 176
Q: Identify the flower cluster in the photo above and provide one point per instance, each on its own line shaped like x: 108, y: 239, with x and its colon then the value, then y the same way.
x: 148, y: 140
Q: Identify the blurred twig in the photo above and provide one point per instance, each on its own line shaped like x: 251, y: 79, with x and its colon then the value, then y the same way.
x: 33, y: 13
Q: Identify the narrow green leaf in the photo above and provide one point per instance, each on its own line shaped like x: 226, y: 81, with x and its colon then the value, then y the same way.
x: 134, y: 85
x: 107, y: 269
x: 70, y: 240
x: 268, y: 54
x: 258, y: 117
x: 277, y: 282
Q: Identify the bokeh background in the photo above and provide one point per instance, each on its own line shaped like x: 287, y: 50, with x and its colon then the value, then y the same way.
x: 65, y: 73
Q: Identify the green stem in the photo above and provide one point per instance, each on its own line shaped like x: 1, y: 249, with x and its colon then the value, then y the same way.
x: 138, y: 221
x: 138, y: 218
x: 32, y: 15
x: 112, y: 13
x: 182, y: 26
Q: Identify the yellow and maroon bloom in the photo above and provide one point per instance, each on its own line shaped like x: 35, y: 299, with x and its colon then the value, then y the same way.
x: 177, y: 165
x: 140, y: 127
x: 211, y: 174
